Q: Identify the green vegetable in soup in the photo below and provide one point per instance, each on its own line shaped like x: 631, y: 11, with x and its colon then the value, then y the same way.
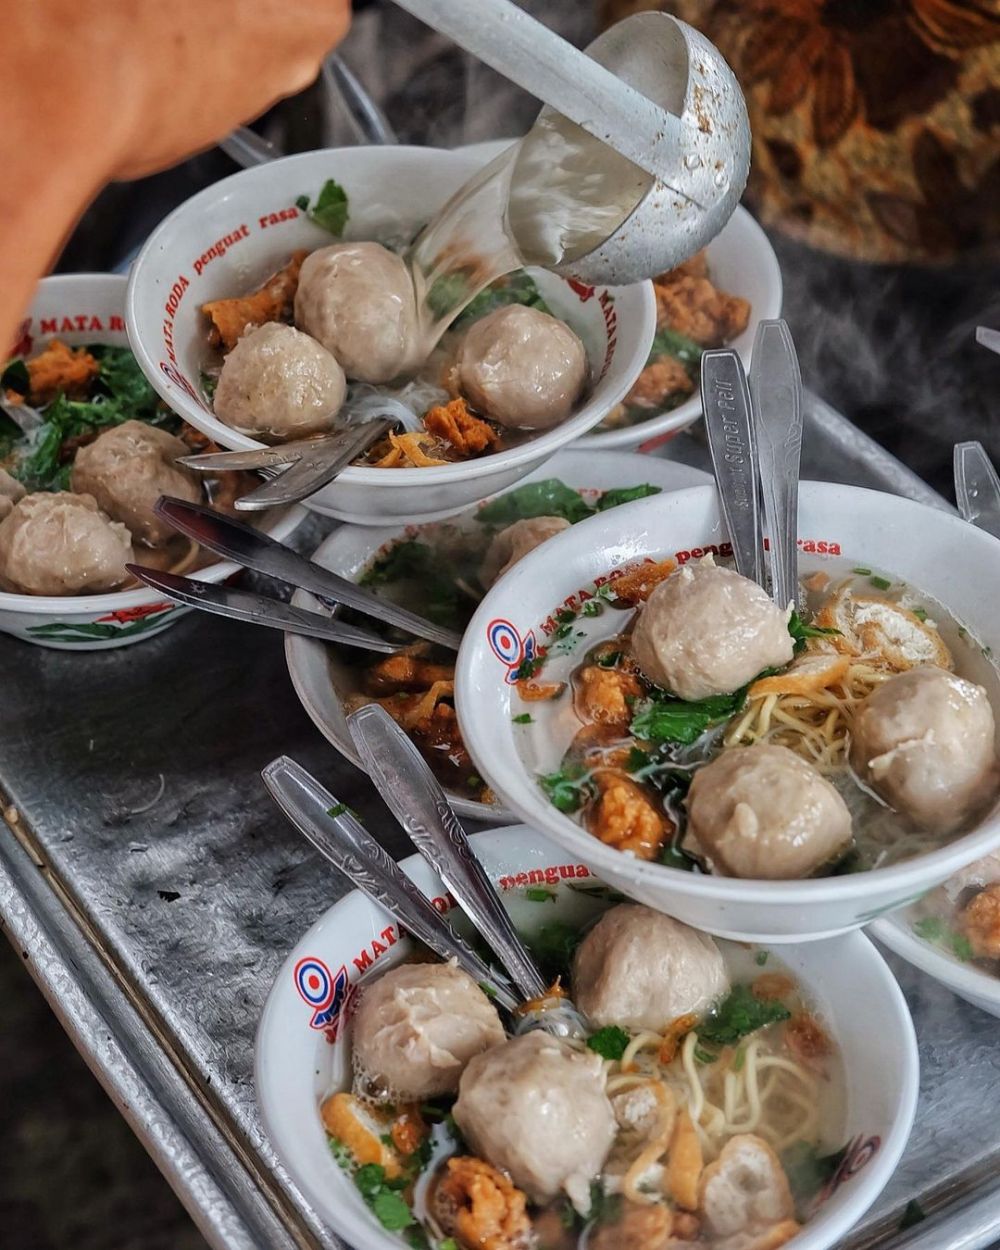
x: 383, y: 1197
x: 610, y: 1042
x: 738, y: 1014
x: 415, y: 562
x: 625, y: 494
x: 934, y: 930
x: 664, y: 718
x: 669, y: 342
x: 330, y: 210
x: 16, y: 377
x: 546, y: 498
x: 808, y: 1171
x: 800, y: 631
x: 553, y: 945
x: 568, y: 788
x: 517, y: 288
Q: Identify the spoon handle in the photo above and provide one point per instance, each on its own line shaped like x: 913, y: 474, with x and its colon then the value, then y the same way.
x: 415, y: 798
x: 341, y: 838
x: 776, y: 396
x: 725, y: 400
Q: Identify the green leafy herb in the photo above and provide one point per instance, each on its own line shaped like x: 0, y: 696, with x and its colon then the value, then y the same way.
x: 209, y: 382
x: 625, y: 494
x: 670, y: 343
x: 672, y: 856
x: 341, y: 1154
x: 16, y: 377
x: 449, y: 1243
x: 568, y: 788
x: 739, y: 1059
x: 934, y: 930
x: 862, y: 572
x: 302, y: 202
x: 382, y: 1195
x: 330, y: 210
x: 539, y: 894
x: 808, y: 1171
x: 738, y: 1014
x: 516, y: 288
x: 610, y: 659
x: 593, y: 607
x: 416, y: 563
x: 704, y: 1056
x: 605, y: 1208
x: 553, y: 945
x: 880, y: 583
x: 760, y: 959
x: 550, y: 497
x: 529, y: 667
x: 664, y: 718
x: 800, y: 631
x: 610, y: 1042
x: 920, y: 614
x: 913, y: 1214
x: 525, y: 718
x: 475, y: 781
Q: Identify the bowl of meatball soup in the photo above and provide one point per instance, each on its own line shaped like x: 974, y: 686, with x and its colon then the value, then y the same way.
x: 282, y: 302
x: 765, y: 771
x: 86, y: 448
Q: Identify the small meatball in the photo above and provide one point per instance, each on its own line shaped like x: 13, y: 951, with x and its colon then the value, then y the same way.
x: 513, y: 543
x: 11, y: 491
x: 706, y: 630
x: 127, y: 469
x: 641, y: 970
x: 278, y: 383
x: 417, y: 1027
x: 62, y: 544
x: 481, y: 1208
x: 924, y: 740
x: 522, y: 368
x: 745, y: 1190
x: 537, y: 1109
x: 357, y: 300
x: 623, y: 816
x: 980, y: 921
x: 604, y: 696
x: 646, y: 1227
x: 657, y: 382
x: 469, y: 435
x: 764, y: 812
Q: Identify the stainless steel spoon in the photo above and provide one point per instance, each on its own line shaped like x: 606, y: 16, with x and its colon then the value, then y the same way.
x: 776, y: 399
x: 414, y: 796
x: 341, y: 838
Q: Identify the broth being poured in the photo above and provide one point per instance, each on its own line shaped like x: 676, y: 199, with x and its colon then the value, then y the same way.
x: 680, y: 716
x: 702, y: 1059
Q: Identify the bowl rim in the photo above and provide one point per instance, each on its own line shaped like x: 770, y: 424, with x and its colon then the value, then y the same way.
x: 635, y: 346
x: 283, y: 524
x: 855, y: 947
x: 297, y: 646
x: 654, y: 429
x: 522, y: 798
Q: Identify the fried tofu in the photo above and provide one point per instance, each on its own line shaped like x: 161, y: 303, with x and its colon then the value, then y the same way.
x: 658, y: 382
x: 273, y: 301
x: 623, y: 817
x: 603, y: 696
x: 481, y: 1207
x: 697, y: 309
x: 454, y: 423
x: 60, y: 369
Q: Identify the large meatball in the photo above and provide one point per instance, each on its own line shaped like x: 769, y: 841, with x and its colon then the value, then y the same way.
x: 11, y: 491
x: 765, y: 812
x: 62, y: 544
x: 127, y: 468
x: 924, y: 740
x: 513, y: 543
x: 522, y: 367
x: 357, y: 300
x: 640, y: 969
x: 537, y: 1109
x: 278, y: 383
x: 417, y: 1027
x: 706, y: 630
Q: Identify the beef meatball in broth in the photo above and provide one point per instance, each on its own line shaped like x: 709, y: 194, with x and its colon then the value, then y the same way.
x: 357, y: 300
x: 278, y: 383
x: 925, y: 741
x: 766, y: 813
x: 417, y: 1027
x: 127, y: 468
x: 11, y: 491
x: 513, y: 543
x: 640, y: 969
x: 537, y: 1109
x: 706, y: 630
x: 522, y: 368
x: 62, y: 544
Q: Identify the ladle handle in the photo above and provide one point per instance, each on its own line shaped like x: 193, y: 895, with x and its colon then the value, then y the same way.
x: 534, y: 57
x: 725, y: 400
x: 776, y: 396
x: 415, y: 798
x: 341, y: 838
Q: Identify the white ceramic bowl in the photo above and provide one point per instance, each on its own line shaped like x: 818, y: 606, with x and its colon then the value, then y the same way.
x: 252, y: 223
x: 933, y: 551
x: 968, y: 982
x: 299, y: 1059
x: 321, y: 679
x: 90, y: 308
x: 741, y: 261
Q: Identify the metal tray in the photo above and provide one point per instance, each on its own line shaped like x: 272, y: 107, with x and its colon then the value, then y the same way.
x: 153, y: 891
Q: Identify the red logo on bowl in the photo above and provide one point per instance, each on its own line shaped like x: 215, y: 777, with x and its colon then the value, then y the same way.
x: 325, y: 994
x: 510, y: 648
x: 124, y: 615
